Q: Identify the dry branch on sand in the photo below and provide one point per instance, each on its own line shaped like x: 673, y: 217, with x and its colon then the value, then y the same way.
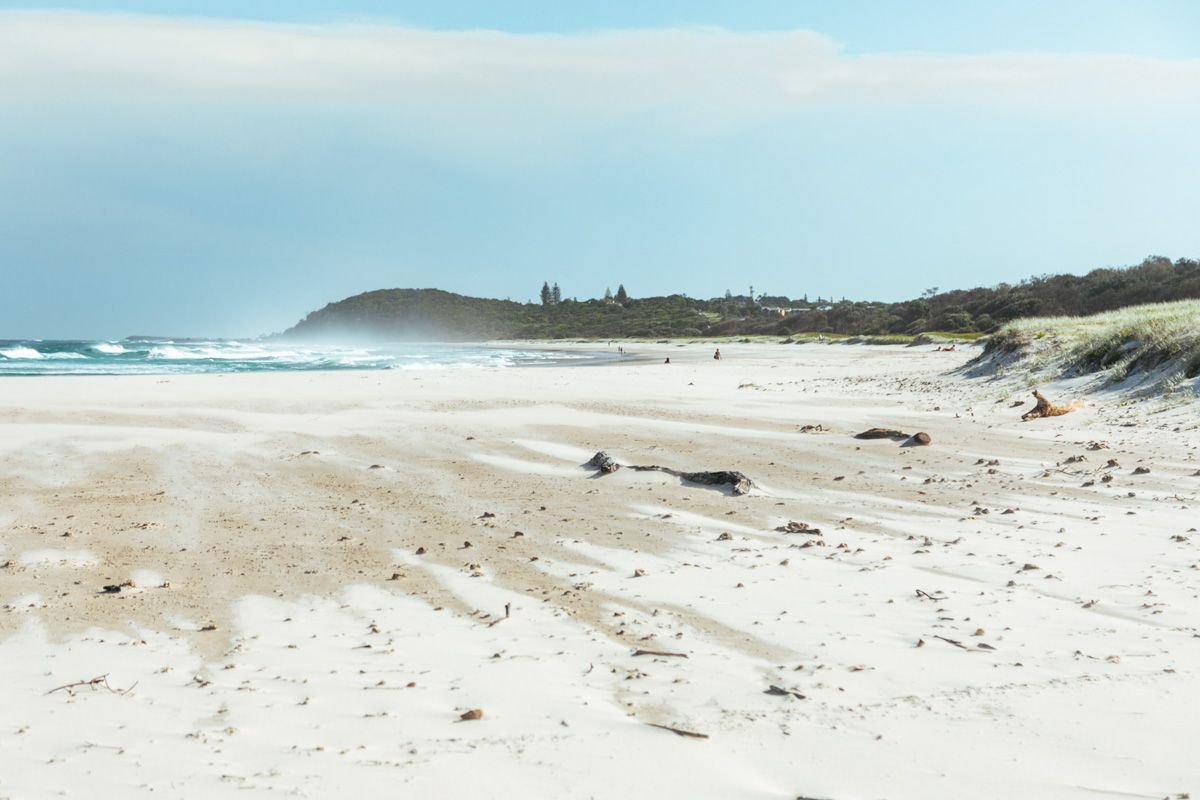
x: 738, y: 482
x: 1045, y: 408
x: 679, y: 731
x: 658, y: 653
x: 100, y: 681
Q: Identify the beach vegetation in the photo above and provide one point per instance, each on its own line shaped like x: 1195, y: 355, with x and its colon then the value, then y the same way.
x: 962, y: 314
x: 1156, y: 342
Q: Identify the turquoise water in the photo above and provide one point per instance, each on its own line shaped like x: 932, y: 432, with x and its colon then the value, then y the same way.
x: 168, y: 356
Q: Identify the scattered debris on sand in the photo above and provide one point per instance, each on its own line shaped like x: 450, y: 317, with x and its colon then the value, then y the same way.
x: 798, y: 527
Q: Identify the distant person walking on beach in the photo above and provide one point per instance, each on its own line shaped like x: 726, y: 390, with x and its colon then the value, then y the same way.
x: 717, y: 355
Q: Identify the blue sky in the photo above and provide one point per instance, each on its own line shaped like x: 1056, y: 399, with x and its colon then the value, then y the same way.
x: 221, y: 168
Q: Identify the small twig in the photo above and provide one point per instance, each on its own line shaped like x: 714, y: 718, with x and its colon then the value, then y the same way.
x: 100, y: 680
x: 116, y: 747
x: 679, y: 731
x: 953, y: 642
x: 926, y: 595
x: 69, y: 686
x: 1072, y: 472
x: 658, y: 653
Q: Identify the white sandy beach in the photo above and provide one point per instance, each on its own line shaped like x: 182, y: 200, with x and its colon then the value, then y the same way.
x: 1001, y: 614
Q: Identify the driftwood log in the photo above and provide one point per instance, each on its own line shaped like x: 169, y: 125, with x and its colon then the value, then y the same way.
x: 882, y: 433
x: 916, y: 440
x: 738, y: 482
x: 1045, y: 408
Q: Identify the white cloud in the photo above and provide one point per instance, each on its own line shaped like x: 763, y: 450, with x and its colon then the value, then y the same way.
x: 463, y: 87
x: 48, y: 51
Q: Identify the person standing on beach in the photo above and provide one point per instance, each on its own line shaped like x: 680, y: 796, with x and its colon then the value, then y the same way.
x: 717, y: 355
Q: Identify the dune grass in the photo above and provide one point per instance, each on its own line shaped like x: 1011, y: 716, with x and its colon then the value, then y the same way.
x: 1161, y: 338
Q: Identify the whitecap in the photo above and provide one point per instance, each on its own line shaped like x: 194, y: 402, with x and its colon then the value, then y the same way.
x: 21, y: 353
x: 168, y: 352
x: 109, y: 348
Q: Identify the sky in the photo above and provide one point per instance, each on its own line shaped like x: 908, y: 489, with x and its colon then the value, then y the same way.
x: 212, y: 168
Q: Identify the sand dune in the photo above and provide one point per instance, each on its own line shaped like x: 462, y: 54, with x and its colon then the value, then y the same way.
x: 314, y: 575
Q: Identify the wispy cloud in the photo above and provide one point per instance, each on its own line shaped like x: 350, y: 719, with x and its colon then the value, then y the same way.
x: 677, y: 77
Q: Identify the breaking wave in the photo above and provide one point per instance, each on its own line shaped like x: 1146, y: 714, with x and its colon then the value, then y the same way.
x: 158, y: 356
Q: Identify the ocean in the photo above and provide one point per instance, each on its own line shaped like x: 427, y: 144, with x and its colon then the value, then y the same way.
x: 145, y: 356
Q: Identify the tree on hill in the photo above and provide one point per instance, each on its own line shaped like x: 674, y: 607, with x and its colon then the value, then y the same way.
x: 607, y: 294
x: 556, y: 295
x: 396, y: 314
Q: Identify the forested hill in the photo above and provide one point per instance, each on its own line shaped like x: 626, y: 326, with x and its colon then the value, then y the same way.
x: 432, y: 314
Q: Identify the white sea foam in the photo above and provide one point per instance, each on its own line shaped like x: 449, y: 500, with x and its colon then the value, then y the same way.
x: 21, y: 353
x: 169, y: 352
x: 420, y: 366
x: 221, y: 352
x: 168, y: 356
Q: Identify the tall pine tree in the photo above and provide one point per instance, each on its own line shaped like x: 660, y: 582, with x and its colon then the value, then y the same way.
x: 556, y: 294
x: 546, y: 296
x: 622, y: 296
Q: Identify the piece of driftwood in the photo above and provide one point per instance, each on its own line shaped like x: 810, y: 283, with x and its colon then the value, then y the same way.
x: 603, y: 462
x: 1044, y: 408
x: 640, y: 652
x: 737, y: 481
x: 679, y: 731
x: 781, y: 692
x: 882, y: 433
x: 798, y: 527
